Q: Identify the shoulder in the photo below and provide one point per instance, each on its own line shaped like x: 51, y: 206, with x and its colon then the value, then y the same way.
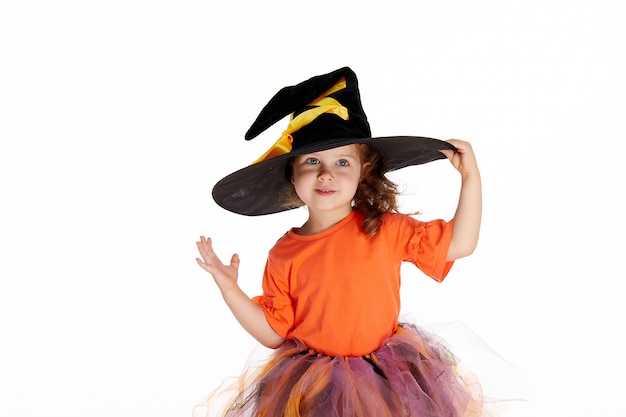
x: 397, y: 225
x: 281, y: 243
x: 405, y: 219
x: 399, y: 219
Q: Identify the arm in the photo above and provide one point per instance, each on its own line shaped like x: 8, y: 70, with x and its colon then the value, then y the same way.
x: 249, y: 314
x: 468, y: 214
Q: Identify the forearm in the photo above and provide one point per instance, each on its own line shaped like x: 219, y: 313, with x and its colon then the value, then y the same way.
x: 251, y: 317
x: 467, y: 218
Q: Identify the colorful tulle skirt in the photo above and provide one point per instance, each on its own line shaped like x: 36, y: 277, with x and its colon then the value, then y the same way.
x: 411, y: 375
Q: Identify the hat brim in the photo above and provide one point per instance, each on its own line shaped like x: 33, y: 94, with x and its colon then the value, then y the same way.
x: 258, y: 189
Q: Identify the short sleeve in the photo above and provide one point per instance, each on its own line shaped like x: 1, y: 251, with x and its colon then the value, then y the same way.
x: 275, y: 301
x: 428, y: 247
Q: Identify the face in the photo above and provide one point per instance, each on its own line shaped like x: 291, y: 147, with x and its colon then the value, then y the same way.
x: 326, y: 181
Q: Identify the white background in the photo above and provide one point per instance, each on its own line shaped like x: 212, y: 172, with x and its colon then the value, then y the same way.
x: 117, y: 117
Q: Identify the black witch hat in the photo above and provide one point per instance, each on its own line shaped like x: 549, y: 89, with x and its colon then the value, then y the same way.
x: 326, y: 112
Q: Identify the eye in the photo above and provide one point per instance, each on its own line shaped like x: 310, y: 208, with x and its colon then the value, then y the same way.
x: 343, y: 163
x: 312, y: 161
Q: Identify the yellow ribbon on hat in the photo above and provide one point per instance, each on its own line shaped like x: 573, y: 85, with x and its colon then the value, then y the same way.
x: 323, y: 104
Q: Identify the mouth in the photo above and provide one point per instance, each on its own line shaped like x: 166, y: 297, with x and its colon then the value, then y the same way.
x: 324, y: 191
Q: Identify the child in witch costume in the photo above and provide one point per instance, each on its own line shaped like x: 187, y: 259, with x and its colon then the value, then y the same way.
x: 331, y: 288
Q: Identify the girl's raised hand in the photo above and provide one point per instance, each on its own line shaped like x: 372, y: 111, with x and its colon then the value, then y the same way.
x: 225, y: 276
x: 464, y: 159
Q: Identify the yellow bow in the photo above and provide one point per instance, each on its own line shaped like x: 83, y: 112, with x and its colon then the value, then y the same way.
x: 323, y: 104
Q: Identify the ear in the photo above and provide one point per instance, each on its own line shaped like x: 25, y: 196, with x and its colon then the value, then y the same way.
x: 289, y: 170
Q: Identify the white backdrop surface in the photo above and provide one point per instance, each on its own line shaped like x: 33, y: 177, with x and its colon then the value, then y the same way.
x: 116, y: 118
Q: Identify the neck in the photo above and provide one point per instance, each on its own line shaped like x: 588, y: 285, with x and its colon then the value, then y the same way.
x: 318, y: 222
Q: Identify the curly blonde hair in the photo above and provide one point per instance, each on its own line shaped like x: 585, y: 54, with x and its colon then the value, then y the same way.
x: 375, y: 195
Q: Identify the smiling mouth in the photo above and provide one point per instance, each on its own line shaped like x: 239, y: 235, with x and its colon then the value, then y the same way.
x: 324, y: 191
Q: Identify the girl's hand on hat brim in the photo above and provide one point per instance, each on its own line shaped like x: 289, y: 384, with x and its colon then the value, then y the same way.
x: 463, y: 159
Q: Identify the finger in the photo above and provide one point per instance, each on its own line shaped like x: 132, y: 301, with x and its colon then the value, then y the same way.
x: 202, y: 248
x: 200, y: 244
x: 448, y: 153
x: 209, y: 257
x: 204, y: 241
x: 202, y: 264
x: 234, y: 261
x: 205, y: 244
x: 208, y: 261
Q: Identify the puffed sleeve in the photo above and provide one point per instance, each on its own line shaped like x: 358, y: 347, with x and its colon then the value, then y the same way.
x: 275, y: 301
x: 427, y: 247
x: 424, y: 244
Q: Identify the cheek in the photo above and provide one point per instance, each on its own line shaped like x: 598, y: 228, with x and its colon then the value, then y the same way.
x: 299, y: 179
x: 351, y: 177
x: 303, y: 175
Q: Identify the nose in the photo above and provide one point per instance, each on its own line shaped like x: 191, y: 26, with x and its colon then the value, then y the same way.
x: 324, y: 173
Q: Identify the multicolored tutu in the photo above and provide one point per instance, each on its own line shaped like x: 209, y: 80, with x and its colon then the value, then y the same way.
x: 411, y: 374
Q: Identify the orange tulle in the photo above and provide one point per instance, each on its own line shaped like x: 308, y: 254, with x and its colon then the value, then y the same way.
x: 411, y: 375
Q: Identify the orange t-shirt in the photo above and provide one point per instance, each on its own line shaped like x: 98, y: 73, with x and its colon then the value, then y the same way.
x: 339, y: 291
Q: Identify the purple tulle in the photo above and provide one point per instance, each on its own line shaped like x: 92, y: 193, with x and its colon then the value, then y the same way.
x: 410, y: 375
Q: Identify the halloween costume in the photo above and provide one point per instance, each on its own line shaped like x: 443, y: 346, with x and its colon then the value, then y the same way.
x: 335, y: 296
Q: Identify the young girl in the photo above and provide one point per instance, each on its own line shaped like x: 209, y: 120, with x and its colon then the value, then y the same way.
x: 331, y: 288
